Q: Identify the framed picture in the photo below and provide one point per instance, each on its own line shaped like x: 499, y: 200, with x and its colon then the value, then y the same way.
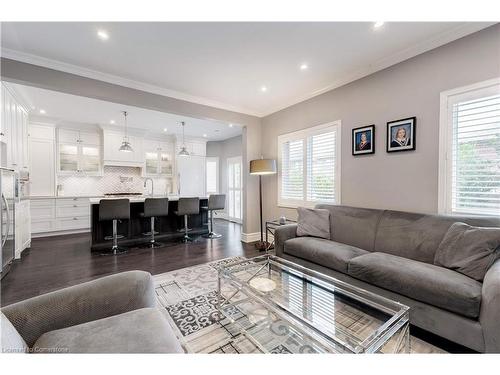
x: 401, y: 135
x: 363, y: 140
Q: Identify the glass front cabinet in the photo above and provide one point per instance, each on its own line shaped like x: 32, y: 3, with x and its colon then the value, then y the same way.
x: 158, y: 158
x: 79, y: 152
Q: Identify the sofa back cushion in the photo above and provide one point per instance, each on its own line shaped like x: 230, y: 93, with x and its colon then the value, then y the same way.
x: 352, y: 225
x: 11, y: 340
x: 313, y: 222
x: 417, y: 236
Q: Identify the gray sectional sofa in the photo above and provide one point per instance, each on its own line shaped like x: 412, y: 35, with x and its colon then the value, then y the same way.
x: 391, y: 253
x: 113, y: 314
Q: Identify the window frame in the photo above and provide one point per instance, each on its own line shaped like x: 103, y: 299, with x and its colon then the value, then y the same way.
x: 304, y: 134
x: 217, y: 172
x: 445, y: 169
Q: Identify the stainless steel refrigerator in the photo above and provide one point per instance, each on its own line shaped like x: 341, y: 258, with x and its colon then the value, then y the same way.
x: 9, y: 190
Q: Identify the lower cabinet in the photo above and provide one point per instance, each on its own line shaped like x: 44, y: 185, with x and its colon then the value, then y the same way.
x: 53, y: 215
x: 23, y: 227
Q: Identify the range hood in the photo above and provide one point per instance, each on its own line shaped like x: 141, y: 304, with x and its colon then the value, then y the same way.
x: 112, y: 141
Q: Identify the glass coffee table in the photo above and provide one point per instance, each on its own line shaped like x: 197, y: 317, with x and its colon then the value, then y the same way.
x: 282, y: 307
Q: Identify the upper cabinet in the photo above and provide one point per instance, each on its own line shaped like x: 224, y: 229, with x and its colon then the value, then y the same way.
x: 113, y: 156
x: 78, y: 152
x: 158, y: 158
x: 14, y: 132
x: 195, y: 147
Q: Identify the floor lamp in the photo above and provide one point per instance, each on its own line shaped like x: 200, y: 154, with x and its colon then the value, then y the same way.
x: 262, y: 167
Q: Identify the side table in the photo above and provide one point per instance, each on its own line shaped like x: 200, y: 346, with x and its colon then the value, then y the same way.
x: 271, y: 228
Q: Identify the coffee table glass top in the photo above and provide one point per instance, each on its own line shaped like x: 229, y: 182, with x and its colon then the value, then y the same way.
x: 269, y: 297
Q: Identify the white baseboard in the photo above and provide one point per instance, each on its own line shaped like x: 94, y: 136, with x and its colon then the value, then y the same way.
x: 59, y: 233
x: 224, y: 216
x: 250, y: 237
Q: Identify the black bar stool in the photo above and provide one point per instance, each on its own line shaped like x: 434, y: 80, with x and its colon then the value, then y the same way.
x: 215, y: 202
x: 114, y: 209
x: 185, y: 207
x: 153, y: 208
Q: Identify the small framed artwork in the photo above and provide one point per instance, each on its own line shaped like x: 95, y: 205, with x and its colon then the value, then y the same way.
x: 363, y: 140
x: 401, y: 134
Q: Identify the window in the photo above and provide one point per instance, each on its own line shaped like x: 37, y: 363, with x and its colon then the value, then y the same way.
x: 470, y: 150
x: 212, y: 175
x: 309, y: 166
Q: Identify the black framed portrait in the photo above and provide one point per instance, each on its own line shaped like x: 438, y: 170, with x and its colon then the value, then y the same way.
x: 363, y: 140
x: 401, y: 135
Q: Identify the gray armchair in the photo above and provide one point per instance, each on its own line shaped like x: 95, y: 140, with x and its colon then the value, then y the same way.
x: 113, y: 314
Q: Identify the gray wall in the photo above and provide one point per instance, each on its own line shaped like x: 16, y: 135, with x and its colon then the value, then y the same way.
x: 50, y: 79
x: 223, y: 150
x: 405, y: 180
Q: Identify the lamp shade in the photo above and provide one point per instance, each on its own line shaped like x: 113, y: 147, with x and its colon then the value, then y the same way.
x: 263, y: 166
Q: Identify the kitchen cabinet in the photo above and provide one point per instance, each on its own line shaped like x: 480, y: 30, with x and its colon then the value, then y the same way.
x: 193, y: 146
x: 14, y: 132
x: 112, y: 141
x: 42, y: 160
x: 158, y: 159
x: 22, y: 227
x: 78, y: 152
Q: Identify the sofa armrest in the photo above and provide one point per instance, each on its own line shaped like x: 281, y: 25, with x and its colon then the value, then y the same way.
x: 490, y: 309
x: 93, y: 300
x: 281, y: 234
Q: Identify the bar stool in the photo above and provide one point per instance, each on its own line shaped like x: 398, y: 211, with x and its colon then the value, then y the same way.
x: 114, y: 209
x: 153, y: 208
x: 215, y: 202
x: 185, y: 207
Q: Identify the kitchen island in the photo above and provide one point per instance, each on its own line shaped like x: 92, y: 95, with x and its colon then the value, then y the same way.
x: 133, y: 229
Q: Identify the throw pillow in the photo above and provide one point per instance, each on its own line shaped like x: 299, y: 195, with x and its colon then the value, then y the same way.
x: 469, y: 250
x: 313, y: 222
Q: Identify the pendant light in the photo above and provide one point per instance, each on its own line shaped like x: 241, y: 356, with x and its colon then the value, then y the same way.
x: 126, y: 147
x: 183, y: 151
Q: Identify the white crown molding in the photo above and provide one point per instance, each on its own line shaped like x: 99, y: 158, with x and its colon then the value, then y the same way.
x: 121, y: 81
x: 427, y: 45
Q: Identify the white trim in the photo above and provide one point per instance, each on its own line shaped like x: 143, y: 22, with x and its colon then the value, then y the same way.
x: 250, y: 237
x: 304, y: 133
x: 447, y: 99
x: 435, y: 41
x: 59, y: 233
x: 121, y: 81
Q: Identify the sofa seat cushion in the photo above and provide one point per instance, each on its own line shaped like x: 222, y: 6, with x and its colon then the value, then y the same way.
x: 139, y: 331
x: 331, y: 254
x: 420, y: 281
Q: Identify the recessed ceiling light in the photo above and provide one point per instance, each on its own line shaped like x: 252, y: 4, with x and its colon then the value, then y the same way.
x: 111, y: 122
x: 102, y: 34
x: 304, y: 66
x: 230, y: 125
x: 263, y: 89
x: 378, y: 24
x: 165, y: 129
x: 204, y: 135
x: 42, y: 111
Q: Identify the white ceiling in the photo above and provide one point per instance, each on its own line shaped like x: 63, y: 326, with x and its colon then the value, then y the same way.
x: 79, y: 111
x: 226, y: 64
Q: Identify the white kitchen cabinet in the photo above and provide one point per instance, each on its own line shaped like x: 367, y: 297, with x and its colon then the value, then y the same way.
x: 78, y: 152
x: 23, y: 227
x: 112, y: 141
x: 158, y: 159
x: 191, y: 176
x: 42, y: 160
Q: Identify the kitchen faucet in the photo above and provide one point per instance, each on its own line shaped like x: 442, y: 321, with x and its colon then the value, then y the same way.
x: 152, y: 184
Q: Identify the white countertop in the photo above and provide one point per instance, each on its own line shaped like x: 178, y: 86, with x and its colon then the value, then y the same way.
x: 137, y: 198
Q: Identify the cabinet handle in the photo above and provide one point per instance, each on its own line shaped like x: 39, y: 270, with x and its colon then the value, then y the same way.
x: 75, y: 218
x: 75, y: 199
x: 2, y: 134
x: 75, y: 205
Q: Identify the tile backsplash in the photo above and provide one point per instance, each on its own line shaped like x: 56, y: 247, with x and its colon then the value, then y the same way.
x: 114, y: 180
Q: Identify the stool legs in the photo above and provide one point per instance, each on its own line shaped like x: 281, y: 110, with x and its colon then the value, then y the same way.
x: 115, y: 249
x: 152, y: 242
x: 186, y: 238
x: 211, y: 233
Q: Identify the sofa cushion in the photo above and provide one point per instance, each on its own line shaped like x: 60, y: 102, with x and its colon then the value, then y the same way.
x: 10, y: 339
x: 423, y: 282
x: 139, y: 331
x: 469, y: 250
x: 328, y: 253
x: 352, y: 225
x: 417, y: 236
x: 313, y: 222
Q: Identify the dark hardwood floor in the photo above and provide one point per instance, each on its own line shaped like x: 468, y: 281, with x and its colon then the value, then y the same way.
x: 60, y: 261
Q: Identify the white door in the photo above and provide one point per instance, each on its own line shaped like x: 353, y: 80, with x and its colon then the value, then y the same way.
x: 191, y: 176
x: 234, y: 184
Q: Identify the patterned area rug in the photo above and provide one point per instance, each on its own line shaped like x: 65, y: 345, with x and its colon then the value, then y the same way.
x: 189, y: 300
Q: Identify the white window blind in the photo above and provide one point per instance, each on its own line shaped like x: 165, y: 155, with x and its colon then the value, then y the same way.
x: 309, y: 166
x: 212, y: 174
x: 292, y: 178
x: 475, y: 156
